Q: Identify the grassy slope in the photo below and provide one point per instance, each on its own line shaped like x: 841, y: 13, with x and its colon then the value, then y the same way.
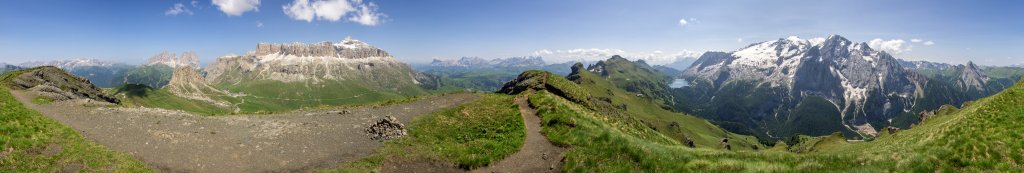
x: 141, y: 95
x: 472, y: 135
x: 638, y: 77
x: 702, y: 132
x: 602, y: 144
x: 985, y: 136
x: 28, y: 133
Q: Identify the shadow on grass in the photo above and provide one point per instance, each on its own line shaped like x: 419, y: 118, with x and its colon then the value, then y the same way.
x: 134, y: 90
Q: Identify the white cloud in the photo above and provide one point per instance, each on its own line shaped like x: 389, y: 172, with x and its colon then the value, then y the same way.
x: 367, y: 15
x: 656, y: 57
x: 683, y: 22
x: 916, y: 40
x: 237, y: 7
x: 178, y: 9
x: 929, y: 43
x: 195, y: 4
x: 334, y: 10
x: 894, y: 46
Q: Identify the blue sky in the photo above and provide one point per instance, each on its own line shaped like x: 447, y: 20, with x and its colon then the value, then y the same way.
x: 986, y: 32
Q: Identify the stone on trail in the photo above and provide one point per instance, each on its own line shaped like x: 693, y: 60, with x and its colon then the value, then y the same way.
x: 385, y: 129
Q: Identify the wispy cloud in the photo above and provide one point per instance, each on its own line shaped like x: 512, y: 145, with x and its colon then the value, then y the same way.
x: 259, y: 24
x: 924, y: 42
x: 177, y: 9
x: 334, y: 10
x: 237, y: 7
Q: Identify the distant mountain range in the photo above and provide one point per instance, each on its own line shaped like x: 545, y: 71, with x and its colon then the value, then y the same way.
x: 476, y: 62
x: 480, y: 74
x: 779, y: 88
x: 7, y: 67
x: 101, y: 73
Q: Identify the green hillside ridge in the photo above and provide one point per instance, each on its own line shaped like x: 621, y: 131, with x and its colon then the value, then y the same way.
x: 31, y: 142
x: 636, y: 77
x: 984, y: 136
x: 599, y: 95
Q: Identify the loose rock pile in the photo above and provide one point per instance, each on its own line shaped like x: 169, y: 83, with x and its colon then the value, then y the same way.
x: 385, y: 129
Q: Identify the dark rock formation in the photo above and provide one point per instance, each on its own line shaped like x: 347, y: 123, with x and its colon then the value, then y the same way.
x: 58, y: 85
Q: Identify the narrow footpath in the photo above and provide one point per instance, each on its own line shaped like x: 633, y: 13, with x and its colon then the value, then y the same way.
x: 537, y: 154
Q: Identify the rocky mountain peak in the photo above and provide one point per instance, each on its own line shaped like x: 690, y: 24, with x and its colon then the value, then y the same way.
x: 188, y: 83
x: 187, y: 59
x: 971, y: 76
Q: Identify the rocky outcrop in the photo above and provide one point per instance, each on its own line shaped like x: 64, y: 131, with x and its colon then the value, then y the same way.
x: 725, y: 144
x: 100, y: 73
x: 58, y: 85
x: 188, y: 83
x: 385, y: 129
x: 892, y: 130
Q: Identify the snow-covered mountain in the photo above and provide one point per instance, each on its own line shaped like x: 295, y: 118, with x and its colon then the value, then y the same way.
x: 867, y: 87
x: 779, y: 88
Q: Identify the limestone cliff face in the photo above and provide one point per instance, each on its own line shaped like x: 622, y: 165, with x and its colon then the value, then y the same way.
x: 971, y: 77
x: 188, y: 83
x: 187, y: 59
x: 349, y: 60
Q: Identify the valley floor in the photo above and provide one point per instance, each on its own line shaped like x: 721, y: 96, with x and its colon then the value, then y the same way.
x: 173, y: 141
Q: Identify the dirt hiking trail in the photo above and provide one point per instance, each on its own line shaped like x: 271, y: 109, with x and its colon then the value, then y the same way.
x: 175, y: 141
